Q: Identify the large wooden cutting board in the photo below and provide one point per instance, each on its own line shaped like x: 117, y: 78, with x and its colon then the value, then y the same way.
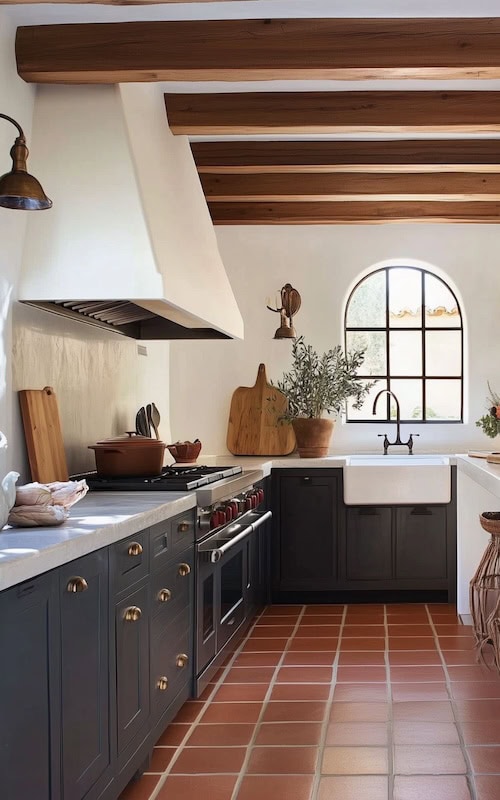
x: 42, y: 429
x: 254, y: 426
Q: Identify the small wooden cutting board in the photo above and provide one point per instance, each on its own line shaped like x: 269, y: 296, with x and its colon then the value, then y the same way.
x: 254, y: 427
x: 42, y: 429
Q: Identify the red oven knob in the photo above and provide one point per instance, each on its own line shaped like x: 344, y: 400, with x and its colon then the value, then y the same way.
x: 248, y: 502
x: 228, y: 513
x: 233, y: 504
x: 260, y: 493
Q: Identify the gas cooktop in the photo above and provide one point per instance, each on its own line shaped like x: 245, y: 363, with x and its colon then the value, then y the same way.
x: 172, y: 479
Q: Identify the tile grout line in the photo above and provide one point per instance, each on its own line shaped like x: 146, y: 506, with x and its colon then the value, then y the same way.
x: 469, y: 776
x: 272, y: 683
x: 390, y: 716
x: 326, y: 720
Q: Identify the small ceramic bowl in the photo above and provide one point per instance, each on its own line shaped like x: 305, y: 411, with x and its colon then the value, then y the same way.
x: 185, y: 452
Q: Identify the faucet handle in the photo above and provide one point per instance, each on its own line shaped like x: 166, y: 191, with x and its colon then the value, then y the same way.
x: 410, y: 442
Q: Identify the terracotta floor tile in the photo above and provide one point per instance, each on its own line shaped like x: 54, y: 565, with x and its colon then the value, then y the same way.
x: 237, y: 692
x: 411, y: 643
x: 360, y: 692
x: 357, y: 733
x: 363, y: 643
x: 372, y: 658
x: 275, y: 787
x: 445, y: 619
x: 325, y: 644
x: 478, y: 710
x: 415, y: 732
x: 487, y: 731
x: 274, y: 619
x: 419, y: 691
x: 199, y: 760
x: 459, y: 657
x: 300, y: 691
x: 232, y: 712
x: 452, y: 629
x: 264, y: 645
x: 469, y: 690
x: 189, y: 711
x: 257, y: 659
x: 363, y: 674
x: 296, y: 711
x: 304, y: 675
x: 456, y: 642
x: 221, y: 735
x: 324, y: 609
x: 418, y: 674
x: 249, y: 675
x: 432, y: 787
x: 161, y: 758
x: 403, y: 618
x: 305, y: 658
x: 410, y: 630
x: 316, y: 631
x: 476, y: 672
x: 141, y: 789
x: 350, y: 630
x: 442, y: 608
x: 423, y: 711
x: 354, y: 761
x: 289, y: 733
x: 283, y: 760
x: 321, y: 619
x: 280, y: 610
x: 173, y: 735
x: 407, y: 608
x: 188, y: 787
x: 359, y: 712
x: 353, y: 787
x: 429, y: 759
x: 485, y: 759
x: 413, y: 657
x: 487, y: 787
x: 271, y: 631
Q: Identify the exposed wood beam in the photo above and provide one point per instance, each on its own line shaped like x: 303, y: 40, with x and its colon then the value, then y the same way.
x: 260, y: 49
x: 351, y: 213
x: 465, y: 155
x: 351, y: 186
x: 333, y: 112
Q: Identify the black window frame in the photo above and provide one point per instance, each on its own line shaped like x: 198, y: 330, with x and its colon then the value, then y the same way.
x: 422, y: 328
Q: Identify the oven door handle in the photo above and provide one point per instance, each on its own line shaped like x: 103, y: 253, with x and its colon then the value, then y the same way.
x: 218, y: 552
x: 261, y: 518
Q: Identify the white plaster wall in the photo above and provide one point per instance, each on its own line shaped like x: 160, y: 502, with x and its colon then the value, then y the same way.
x: 322, y: 262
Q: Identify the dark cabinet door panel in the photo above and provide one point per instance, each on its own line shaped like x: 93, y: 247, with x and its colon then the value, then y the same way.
x: 86, y: 753
x: 421, y: 546
x: 368, y: 544
x: 171, y: 663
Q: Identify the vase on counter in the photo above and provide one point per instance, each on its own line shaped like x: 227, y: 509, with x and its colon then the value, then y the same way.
x: 7, y: 489
x: 313, y: 436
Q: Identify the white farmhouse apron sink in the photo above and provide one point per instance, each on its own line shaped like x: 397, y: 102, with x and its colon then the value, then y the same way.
x: 396, y: 479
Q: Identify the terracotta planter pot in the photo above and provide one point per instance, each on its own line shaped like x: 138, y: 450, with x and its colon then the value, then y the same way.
x: 313, y: 436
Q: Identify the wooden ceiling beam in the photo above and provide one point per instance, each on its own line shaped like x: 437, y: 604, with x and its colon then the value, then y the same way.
x: 260, y: 49
x: 274, y: 187
x: 356, y: 213
x: 405, y: 155
x: 333, y: 112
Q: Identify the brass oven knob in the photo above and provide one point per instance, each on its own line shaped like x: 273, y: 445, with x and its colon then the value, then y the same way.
x: 164, y: 595
x: 183, y: 527
x: 162, y: 683
x: 77, y: 584
x: 134, y: 549
x: 181, y: 660
x: 132, y: 614
x: 184, y: 569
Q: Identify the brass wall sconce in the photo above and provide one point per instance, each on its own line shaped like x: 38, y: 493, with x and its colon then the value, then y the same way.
x: 287, y: 304
x: 19, y: 189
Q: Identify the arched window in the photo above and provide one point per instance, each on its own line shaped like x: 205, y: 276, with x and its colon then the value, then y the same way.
x: 408, y: 322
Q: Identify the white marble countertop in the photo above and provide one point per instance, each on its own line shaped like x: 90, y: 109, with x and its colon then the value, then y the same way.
x: 99, y: 519
x: 485, y: 474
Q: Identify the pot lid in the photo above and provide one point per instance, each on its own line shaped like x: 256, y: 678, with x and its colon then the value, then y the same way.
x: 131, y: 440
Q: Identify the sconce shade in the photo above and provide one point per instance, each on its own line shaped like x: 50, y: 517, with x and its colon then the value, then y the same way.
x: 285, y: 331
x: 19, y: 189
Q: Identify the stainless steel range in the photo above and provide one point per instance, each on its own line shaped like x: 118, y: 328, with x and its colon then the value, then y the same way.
x: 232, y: 551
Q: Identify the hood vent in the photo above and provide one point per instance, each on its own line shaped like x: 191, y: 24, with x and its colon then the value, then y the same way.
x: 128, y: 245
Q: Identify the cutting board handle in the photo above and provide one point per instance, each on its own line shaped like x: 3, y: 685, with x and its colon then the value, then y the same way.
x: 261, y: 379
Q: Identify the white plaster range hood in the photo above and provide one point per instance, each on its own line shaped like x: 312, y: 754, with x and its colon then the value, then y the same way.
x: 129, y: 244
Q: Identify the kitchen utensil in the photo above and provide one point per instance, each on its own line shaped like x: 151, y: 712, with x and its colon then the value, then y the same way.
x: 42, y: 429
x: 254, y: 427
x: 129, y: 456
x: 142, y: 424
x: 155, y: 419
x: 481, y: 453
x: 185, y: 452
x: 493, y: 458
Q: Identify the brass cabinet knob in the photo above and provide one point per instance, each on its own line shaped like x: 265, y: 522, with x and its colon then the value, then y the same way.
x: 164, y: 595
x: 162, y: 683
x: 132, y: 614
x: 77, y: 584
x: 134, y: 549
x: 184, y: 569
x: 181, y: 660
x: 183, y: 527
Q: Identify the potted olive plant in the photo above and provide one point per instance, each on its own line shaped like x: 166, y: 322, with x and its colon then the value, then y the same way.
x: 316, y: 385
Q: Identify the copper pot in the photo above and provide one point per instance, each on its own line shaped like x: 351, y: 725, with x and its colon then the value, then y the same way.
x: 129, y: 456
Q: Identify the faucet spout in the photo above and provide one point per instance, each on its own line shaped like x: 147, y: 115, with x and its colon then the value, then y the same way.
x: 388, y: 391
x: 397, y: 441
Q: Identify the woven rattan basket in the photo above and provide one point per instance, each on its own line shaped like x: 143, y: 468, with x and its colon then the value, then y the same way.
x: 490, y: 521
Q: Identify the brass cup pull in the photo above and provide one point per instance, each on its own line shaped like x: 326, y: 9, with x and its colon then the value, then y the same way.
x: 164, y: 595
x: 183, y: 527
x: 181, y: 660
x: 77, y: 584
x: 134, y: 549
x: 132, y: 614
x: 184, y: 569
x: 162, y: 683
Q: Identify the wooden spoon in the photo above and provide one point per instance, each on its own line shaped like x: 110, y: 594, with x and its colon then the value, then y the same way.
x: 154, y: 418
